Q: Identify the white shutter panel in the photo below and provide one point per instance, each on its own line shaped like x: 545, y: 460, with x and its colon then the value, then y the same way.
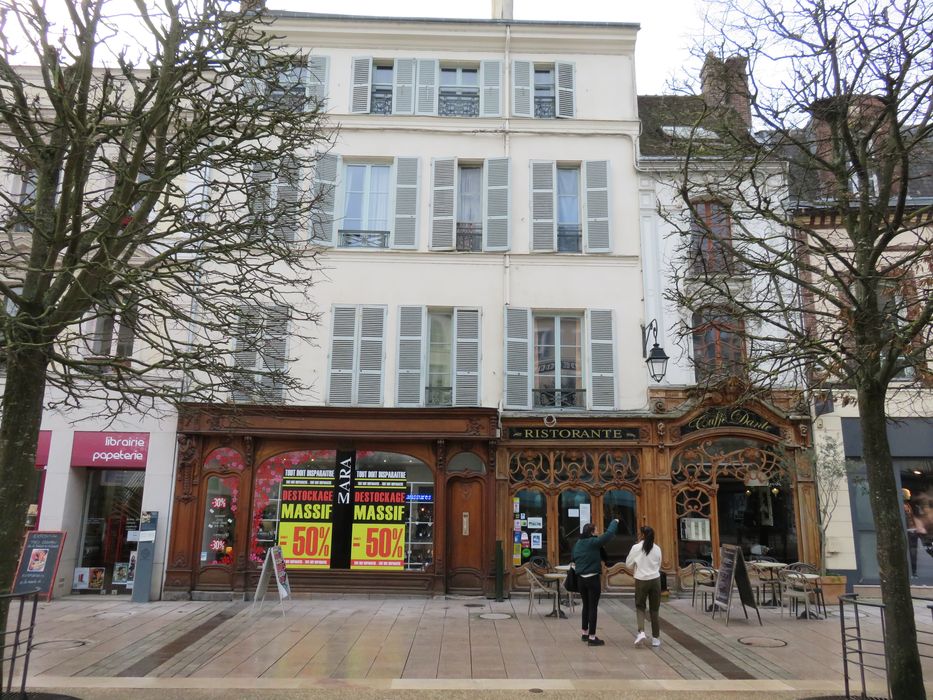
x: 260, y: 196
x: 466, y: 357
x: 427, y: 87
x: 523, y: 89
x: 244, y: 349
x: 403, y: 86
x: 372, y: 334
x: 602, y: 366
x: 444, y: 180
x: 410, y: 380
x: 275, y: 341
x: 543, y: 221
x: 316, y: 89
x: 565, y: 89
x: 342, y: 356
x: 490, y: 96
x: 517, y: 358
x: 323, y: 220
x: 496, y: 211
x: 286, y: 201
x: 362, y: 74
x: 405, y: 230
x: 596, y: 224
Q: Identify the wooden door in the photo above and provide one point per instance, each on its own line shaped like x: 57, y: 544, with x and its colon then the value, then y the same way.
x: 466, y: 536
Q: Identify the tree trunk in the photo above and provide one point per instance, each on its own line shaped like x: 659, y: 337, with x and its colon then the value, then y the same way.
x: 19, y: 434
x: 904, y: 672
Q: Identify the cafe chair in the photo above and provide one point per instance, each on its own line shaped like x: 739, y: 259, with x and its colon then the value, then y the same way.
x: 765, y: 580
x: 804, y: 568
x: 795, y: 587
x: 537, y: 587
x: 704, y: 583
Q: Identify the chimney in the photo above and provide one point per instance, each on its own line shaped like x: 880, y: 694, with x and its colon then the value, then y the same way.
x: 502, y: 9
x: 725, y: 84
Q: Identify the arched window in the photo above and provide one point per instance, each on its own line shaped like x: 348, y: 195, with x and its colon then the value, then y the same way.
x: 718, y: 345
x: 711, y: 249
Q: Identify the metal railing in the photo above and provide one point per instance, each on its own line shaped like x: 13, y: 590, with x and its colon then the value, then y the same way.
x: 469, y: 237
x: 569, y: 238
x: 544, y: 108
x: 363, y: 239
x: 438, y: 396
x: 559, y: 398
x: 19, y: 610
x: 380, y: 101
x: 863, y: 646
x: 452, y: 104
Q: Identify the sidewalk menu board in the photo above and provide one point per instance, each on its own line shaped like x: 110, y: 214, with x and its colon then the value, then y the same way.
x: 38, y: 562
x: 732, y: 571
x: 379, y: 509
x: 305, y: 510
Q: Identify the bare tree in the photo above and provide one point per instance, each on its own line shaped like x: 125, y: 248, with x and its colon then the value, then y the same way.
x: 827, y: 278
x: 161, y: 161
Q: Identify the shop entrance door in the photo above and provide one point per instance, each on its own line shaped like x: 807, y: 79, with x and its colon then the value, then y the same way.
x: 465, y: 536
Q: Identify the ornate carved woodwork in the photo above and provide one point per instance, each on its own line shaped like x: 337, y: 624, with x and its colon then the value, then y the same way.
x: 596, y: 470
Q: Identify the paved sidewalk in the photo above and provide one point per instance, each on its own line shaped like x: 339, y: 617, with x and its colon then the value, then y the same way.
x: 370, y: 647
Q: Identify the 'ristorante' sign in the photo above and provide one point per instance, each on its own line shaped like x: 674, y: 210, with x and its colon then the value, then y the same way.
x: 730, y: 418
x: 557, y: 433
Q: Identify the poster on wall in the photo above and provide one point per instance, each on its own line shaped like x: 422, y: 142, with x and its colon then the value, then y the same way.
x: 379, y: 513
x: 96, y: 580
x: 536, y: 540
x: 131, y: 571
x: 82, y: 574
x: 121, y: 571
x: 305, y: 513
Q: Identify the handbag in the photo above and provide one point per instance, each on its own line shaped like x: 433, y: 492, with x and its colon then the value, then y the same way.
x: 571, y: 583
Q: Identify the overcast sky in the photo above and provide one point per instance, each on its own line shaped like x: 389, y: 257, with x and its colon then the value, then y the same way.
x: 668, y: 27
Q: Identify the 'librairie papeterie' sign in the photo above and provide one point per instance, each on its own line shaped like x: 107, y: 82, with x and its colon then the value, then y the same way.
x: 582, y: 433
x: 730, y: 418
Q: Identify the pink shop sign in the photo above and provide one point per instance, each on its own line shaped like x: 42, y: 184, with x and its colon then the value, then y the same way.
x: 110, y: 450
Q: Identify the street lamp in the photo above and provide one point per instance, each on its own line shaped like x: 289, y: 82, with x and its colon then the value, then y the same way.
x: 657, y: 358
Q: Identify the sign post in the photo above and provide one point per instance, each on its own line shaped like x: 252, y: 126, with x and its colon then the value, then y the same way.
x: 145, y: 553
x: 38, y: 562
x: 732, y: 572
x: 273, y: 565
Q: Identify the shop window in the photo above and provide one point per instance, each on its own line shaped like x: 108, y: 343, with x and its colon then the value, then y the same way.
x: 718, y: 345
x: 620, y: 504
x: 759, y: 519
x: 466, y: 462
x: 530, y: 532
x: 218, y: 536
x: 573, y: 512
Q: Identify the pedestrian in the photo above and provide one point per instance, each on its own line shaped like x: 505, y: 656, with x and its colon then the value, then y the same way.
x: 586, y: 562
x: 645, y: 557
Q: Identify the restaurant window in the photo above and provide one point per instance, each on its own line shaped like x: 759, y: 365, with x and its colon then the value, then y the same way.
x: 218, y: 535
x: 711, y: 231
x: 757, y: 518
x: 573, y: 512
x: 558, y: 358
x: 365, y: 221
x: 469, y: 207
x: 459, y: 92
x: 718, y: 345
x: 381, y: 99
x: 531, y: 529
x: 620, y: 504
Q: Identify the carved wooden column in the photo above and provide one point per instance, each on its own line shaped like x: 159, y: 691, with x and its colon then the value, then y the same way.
x: 440, y: 516
x: 179, y: 576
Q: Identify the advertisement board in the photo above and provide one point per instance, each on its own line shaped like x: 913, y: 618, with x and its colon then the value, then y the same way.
x: 305, y: 517
x: 38, y: 562
x: 379, y: 513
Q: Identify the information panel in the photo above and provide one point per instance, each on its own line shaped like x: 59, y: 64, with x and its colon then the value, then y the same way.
x: 305, y: 510
x: 38, y: 562
x: 379, y: 509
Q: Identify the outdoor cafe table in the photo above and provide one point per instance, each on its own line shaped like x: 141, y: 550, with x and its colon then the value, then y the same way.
x: 556, y: 577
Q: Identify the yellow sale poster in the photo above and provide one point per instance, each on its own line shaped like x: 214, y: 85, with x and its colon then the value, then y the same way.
x: 377, y: 546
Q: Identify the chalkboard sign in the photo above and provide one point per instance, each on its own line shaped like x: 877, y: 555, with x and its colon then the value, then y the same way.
x: 732, y: 572
x: 38, y: 563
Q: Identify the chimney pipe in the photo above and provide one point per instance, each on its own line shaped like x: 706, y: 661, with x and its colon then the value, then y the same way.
x: 725, y: 84
x: 502, y: 9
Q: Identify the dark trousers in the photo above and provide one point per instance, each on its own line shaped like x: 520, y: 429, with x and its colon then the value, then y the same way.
x: 589, y: 594
x: 648, y: 592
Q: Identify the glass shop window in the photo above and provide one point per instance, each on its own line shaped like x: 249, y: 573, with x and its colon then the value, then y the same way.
x: 573, y: 512
x: 218, y: 533
x: 530, y: 532
x: 620, y: 504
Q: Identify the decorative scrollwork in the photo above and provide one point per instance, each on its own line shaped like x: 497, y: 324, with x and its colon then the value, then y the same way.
x: 706, y: 462
x: 692, y: 501
x: 618, y: 467
x: 556, y: 467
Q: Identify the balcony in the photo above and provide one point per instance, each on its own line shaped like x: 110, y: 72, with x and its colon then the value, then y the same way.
x: 469, y: 237
x: 458, y: 105
x: 544, y: 107
x: 381, y: 101
x: 348, y: 238
x: 559, y: 398
x: 569, y: 238
x: 438, y: 396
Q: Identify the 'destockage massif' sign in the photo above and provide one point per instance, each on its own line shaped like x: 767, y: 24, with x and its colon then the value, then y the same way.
x: 583, y: 433
x: 305, y: 531
x: 379, y: 508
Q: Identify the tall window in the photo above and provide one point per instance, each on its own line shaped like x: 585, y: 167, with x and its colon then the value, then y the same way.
x: 439, y: 391
x: 545, y: 92
x: 558, y: 354
x: 718, y: 345
x: 366, y: 211
x: 25, y: 199
x: 381, y: 100
x: 459, y: 92
x: 470, y: 207
x: 288, y: 90
x: 712, y: 240
x: 260, y: 348
x: 568, y: 210
x: 893, y: 305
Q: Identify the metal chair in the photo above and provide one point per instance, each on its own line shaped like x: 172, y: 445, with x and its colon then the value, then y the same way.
x: 765, y: 580
x: 794, y: 588
x: 704, y: 582
x: 804, y: 568
x: 537, y: 587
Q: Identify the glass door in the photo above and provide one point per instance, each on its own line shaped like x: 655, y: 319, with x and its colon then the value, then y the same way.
x: 573, y: 512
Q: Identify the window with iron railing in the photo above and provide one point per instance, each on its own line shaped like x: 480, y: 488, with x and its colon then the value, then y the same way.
x: 718, y: 345
x: 559, y: 398
x: 469, y: 208
x: 459, y: 92
x: 438, y: 396
x: 469, y: 237
x: 711, y: 248
x: 381, y: 95
x: 558, y: 362
x: 366, y: 207
x: 569, y: 229
x: 363, y: 239
x: 439, y: 391
x: 544, y: 93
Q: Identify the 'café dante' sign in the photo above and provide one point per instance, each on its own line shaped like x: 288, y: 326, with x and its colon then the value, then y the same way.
x: 730, y: 418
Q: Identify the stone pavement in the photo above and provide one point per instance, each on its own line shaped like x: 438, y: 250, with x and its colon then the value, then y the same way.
x: 373, y: 647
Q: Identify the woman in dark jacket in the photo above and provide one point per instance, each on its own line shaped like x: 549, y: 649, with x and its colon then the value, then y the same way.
x: 586, y: 562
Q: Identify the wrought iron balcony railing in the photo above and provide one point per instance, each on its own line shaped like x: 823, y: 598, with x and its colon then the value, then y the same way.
x: 569, y: 238
x: 544, y: 108
x: 380, y: 101
x: 349, y: 238
x: 469, y: 237
x: 438, y: 396
x: 453, y: 104
x: 559, y: 398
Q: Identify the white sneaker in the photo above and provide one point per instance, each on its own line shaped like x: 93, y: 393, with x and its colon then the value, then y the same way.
x: 640, y: 639
x: 655, y: 642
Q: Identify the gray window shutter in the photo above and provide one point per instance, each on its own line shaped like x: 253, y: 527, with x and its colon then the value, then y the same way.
x: 372, y: 341
x: 409, y: 389
x: 405, y: 230
x: 523, y: 88
x: 403, y: 87
x: 543, y: 220
x: 323, y: 220
x: 602, y: 366
x: 596, y: 224
x: 517, y: 358
x: 496, y: 212
x: 275, y: 342
x: 260, y: 195
x: 466, y: 357
x: 490, y: 96
x: 318, y: 68
x: 444, y: 180
x: 342, y: 356
x: 565, y: 89
x: 427, y: 87
x: 286, y: 201
x: 245, y: 353
x: 362, y: 74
